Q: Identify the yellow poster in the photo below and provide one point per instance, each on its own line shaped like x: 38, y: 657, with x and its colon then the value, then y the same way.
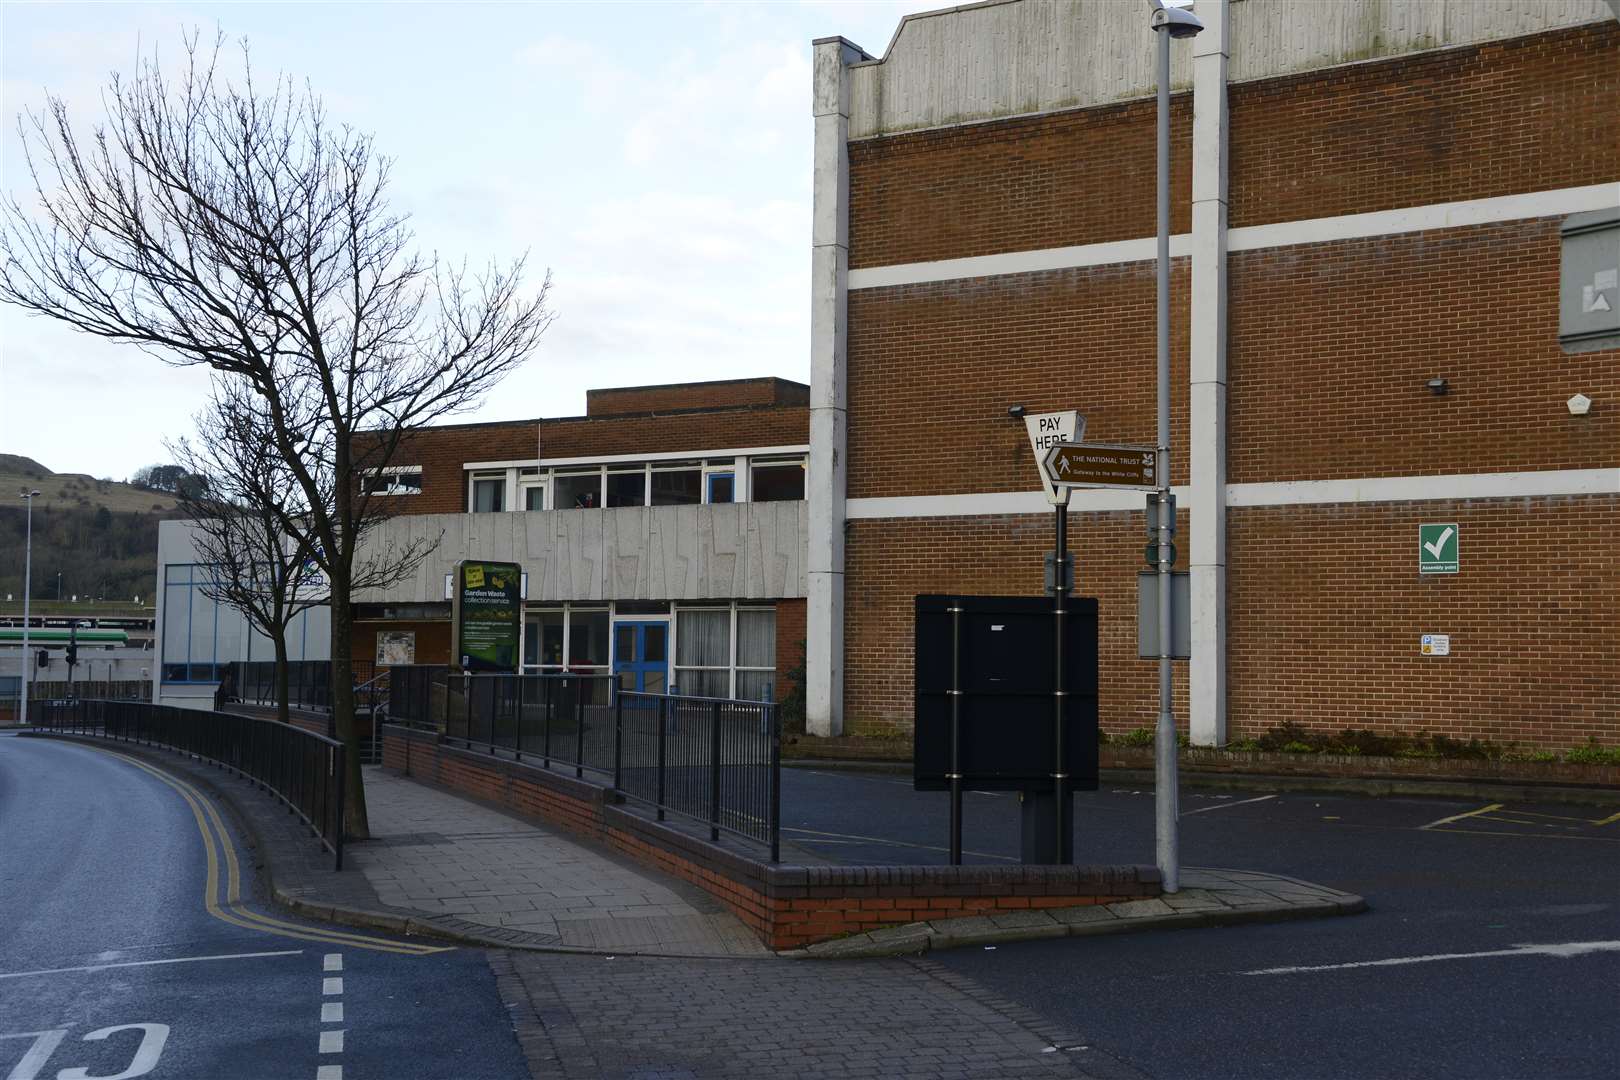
x: 475, y: 576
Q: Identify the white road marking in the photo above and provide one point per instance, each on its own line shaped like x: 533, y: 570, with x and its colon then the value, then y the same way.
x: 148, y: 963
x: 1225, y: 805
x: 153, y: 1037
x: 332, y: 1012
x: 333, y: 962
x: 332, y: 1041
x: 1564, y: 950
x: 329, y: 1072
x: 45, y: 1044
x: 331, y: 987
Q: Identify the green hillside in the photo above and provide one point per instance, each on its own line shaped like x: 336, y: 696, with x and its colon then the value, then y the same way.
x: 100, y: 535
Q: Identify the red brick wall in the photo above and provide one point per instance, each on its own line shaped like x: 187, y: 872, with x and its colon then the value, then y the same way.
x: 889, y: 562
x: 1332, y: 345
x: 616, y: 401
x: 1327, y: 606
x: 790, y: 642
x: 1080, y: 177
x: 933, y: 368
x: 432, y: 639
x: 788, y: 906
x: 1530, y: 114
x: 443, y: 451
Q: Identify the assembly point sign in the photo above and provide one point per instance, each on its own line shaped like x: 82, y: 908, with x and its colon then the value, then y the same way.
x: 488, y: 615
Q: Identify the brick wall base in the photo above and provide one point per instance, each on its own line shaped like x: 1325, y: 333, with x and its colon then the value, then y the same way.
x: 788, y: 906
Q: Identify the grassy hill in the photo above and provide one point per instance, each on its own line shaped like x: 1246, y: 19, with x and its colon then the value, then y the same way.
x: 100, y: 535
x: 75, y: 489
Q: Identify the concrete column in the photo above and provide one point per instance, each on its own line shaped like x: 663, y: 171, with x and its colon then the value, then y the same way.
x: 1207, y: 441
x: 829, y: 291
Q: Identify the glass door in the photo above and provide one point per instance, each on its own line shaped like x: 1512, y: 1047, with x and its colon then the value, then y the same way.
x: 641, y: 656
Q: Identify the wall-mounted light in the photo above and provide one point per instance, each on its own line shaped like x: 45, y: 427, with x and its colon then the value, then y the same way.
x: 1438, y: 387
x: 1015, y: 411
x: 1579, y: 405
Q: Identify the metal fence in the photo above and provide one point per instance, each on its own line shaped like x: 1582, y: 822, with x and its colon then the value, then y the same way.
x: 713, y: 761
x: 302, y: 769
x: 709, y: 760
x: 309, y: 683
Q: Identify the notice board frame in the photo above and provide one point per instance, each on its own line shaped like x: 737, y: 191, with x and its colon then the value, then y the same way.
x: 1002, y: 690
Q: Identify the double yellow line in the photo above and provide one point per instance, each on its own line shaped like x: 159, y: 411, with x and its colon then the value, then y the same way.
x: 217, y: 841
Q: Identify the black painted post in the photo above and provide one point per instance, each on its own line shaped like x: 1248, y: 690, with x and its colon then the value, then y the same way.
x: 956, y: 735
x: 714, y: 771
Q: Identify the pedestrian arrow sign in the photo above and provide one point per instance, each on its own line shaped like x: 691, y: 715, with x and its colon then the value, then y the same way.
x: 1437, y: 549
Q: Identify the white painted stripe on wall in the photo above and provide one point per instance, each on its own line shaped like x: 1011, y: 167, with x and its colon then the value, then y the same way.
x: 1289, y: 493
x: 1450, y: 215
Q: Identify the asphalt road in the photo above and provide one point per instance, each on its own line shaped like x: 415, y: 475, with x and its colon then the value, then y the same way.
x: 124, y: 953
x: 1431, y: 982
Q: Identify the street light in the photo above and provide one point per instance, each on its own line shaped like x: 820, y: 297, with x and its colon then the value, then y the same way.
x: 28, y: 573
x: 1167, y: 23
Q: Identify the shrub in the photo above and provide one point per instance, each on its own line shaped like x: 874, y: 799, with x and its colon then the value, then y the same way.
x: 1594, y: 754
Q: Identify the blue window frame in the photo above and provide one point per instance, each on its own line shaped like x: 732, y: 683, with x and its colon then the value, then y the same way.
x: 722, y: 487
x: 190, y: 637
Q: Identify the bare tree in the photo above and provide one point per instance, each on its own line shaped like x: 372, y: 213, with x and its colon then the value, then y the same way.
x: 212, y: 223
x: 236, y: 507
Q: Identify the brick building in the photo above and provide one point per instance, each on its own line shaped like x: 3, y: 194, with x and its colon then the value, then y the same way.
x: 661, y: 535
x: 1378, y: 323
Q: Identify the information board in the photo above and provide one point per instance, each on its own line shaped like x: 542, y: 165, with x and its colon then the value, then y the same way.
x: 487, y: 616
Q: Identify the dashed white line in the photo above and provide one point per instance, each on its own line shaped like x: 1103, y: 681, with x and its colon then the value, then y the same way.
x: 329, y: 1072
x: 331, y: 987
x: 333, y: 962
x: 332, y: 1041
x: 332, y: 1012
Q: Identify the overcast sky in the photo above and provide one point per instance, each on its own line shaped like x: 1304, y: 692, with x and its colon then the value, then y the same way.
x: 656, y: 157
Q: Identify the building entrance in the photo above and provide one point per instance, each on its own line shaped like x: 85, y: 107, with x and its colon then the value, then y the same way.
x: 641, y: 655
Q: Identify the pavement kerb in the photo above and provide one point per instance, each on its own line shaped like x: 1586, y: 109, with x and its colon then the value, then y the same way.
x: 358, y: 918
x: 1376, y: 786
x: 903, y: 939
x: 916, y: 938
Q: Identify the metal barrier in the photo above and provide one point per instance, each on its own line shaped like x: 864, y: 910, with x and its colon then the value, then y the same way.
x: 417, y: 694
x: 711, y: 760
x: 302, y: 769
x: 714, y: 761
x: 309, y: 683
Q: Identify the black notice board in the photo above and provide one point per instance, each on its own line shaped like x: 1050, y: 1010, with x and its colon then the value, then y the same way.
x: 1006, y: 677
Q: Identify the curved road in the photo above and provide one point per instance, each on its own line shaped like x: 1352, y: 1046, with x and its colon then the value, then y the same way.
x: 124, y: 953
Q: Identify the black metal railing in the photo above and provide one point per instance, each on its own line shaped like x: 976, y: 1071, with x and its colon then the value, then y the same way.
x: 417, y: 695
x: 559, y: 719
x: 710, y: 760
x: 309, y: 683
x: 304, y: 770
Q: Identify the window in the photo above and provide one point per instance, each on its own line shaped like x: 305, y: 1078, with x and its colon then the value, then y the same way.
x: 488, y: 493
x: 703, y: 652
x: 543, y: 640
x: 677, y: 486
x: 577, y: 491
x: 627, y: 488
x: 405, y: 480
x: 756, y: 654
x: 534, y: 496
x: 199, y: 635
x: 587, y: 641
x: 722, y: 487
x: 776, y: 481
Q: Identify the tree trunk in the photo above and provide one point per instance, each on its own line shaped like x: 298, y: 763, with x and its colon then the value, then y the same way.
x: 280, y: 640
x: 355, y: 822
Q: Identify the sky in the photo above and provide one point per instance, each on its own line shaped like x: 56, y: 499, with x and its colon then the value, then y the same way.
x: 655, y: 157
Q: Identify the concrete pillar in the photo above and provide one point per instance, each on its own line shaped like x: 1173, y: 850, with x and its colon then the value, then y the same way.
x: 1207, y: 440
x: 829, y: 292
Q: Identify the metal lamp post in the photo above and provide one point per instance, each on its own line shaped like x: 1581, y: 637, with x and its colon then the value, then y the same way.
x: 28, y: 573
x: 1167, y: 23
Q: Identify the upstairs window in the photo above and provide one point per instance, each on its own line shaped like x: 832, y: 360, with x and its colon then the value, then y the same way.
x: 396, y: 481
x: 488, y: 493
x: 776, y: 480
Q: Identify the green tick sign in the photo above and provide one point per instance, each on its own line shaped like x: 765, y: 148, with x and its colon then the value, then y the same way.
x: 1437, y: 549
x: 488, y: 604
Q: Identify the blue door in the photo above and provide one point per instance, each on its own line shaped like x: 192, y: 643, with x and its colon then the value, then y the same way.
x: 641, y: 656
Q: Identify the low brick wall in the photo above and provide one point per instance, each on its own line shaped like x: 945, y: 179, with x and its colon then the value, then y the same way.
x: 787, y: 905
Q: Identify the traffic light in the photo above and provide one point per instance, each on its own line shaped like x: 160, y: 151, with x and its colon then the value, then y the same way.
x: 43, y: 659
x: 72, y: 653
